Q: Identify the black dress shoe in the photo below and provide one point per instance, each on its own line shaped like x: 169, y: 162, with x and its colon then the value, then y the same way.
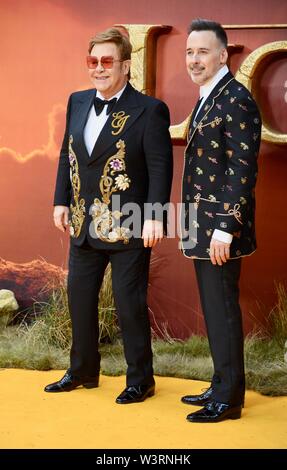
x: 70, y: 382
x: 213, y: 412
x: 198, y: 400
x: 135, y: 394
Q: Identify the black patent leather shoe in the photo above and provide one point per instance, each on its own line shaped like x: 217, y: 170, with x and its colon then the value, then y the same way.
x: 214, y: 412
x: 198, y: 400
x: 70, y: 382
x: 135, y: 394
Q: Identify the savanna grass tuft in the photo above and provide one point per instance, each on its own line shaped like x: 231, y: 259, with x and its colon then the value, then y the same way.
x: 278, y: 317
x: 44, y: 344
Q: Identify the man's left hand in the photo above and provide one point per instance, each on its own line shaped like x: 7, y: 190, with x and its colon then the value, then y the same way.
x: 152, y: 232
x: 219, y: 252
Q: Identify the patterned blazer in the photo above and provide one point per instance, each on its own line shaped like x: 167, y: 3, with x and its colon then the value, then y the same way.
x: 132, y: 159
x: 220, y: 171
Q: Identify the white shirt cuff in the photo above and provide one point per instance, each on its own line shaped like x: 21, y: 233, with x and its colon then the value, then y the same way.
x: 222, y: 236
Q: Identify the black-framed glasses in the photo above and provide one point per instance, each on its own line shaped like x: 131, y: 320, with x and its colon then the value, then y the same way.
x: 106, y: 61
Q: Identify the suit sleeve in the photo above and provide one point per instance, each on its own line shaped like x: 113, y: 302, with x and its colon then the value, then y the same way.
x: 158, y: 155
x: 62, y: 195
x: 242, y: 141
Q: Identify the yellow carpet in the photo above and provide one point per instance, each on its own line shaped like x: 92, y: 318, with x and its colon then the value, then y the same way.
x: 33, y: 419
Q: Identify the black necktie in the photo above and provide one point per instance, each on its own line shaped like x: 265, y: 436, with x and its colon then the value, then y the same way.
x: 194, y: 112
x: 99, y: 105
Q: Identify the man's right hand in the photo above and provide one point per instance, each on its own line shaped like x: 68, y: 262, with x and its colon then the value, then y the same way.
x: 61, y: 217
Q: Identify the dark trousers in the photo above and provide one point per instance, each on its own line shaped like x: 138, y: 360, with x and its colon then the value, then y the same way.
x: 130, y: 270
x: 219, y: 294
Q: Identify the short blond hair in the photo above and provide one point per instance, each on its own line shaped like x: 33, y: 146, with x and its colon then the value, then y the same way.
x: 115, y: 36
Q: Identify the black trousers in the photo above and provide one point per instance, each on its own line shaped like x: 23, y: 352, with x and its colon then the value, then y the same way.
x: 219, y: 294
x: 130, y: 270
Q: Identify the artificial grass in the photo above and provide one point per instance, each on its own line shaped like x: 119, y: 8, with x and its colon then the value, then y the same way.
x: 42, y: 341
x: 266, y: 371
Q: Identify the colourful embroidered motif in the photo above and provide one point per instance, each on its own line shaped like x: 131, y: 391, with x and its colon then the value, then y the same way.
x: 244, y: 146
x: 78, y: 210
x: 114, y: 164
x: 214, y: 144
x: 104, y: 219
x: 119, y: 121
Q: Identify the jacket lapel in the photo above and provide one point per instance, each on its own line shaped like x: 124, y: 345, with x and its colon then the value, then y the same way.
x: 194, y: 111
x: 209, y: 103
x: 123, y: 115
x: 80, y: 116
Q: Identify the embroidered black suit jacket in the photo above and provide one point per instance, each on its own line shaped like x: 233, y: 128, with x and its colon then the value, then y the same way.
x: 220, y: 171
x: 132, y: 160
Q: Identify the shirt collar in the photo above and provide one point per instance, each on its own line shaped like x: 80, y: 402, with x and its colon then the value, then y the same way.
x: 117, y: 95
x: 205, y: 90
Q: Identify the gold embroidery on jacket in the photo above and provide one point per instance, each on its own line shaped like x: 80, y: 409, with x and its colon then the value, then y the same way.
x: 216, y: 121
x: 78, y: 210
x: 204, y: 118
x: 104, y: 219
x: 235, y: 212
x: 119, y: 121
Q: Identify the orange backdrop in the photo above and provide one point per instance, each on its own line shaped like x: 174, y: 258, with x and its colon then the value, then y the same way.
x: 43, y: 47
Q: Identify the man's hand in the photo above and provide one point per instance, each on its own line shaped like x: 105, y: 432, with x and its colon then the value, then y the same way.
x: 60, y: 215
x: 219, y: 252
x: 152, y: 232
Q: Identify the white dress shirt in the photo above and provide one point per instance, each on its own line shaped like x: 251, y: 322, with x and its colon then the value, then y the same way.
x: 205, y: 90
x: 96, y: 123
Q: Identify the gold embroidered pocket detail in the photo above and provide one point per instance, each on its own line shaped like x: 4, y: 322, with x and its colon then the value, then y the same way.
x: 106, y: 228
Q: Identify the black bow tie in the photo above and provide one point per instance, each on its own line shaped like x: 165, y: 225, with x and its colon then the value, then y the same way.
x: 99, y: 105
